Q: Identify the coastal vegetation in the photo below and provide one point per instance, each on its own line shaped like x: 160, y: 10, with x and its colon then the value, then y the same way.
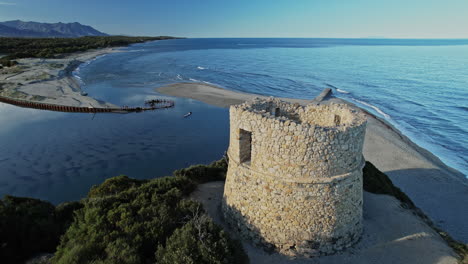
x: 30, y: 226
x: 125, y: 220
x: 131, y: 225
x: 17, y: 48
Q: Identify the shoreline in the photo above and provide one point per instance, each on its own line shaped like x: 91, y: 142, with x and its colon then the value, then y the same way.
x: 220, y: 97
x: 439, y: 190
x: 51, y: 81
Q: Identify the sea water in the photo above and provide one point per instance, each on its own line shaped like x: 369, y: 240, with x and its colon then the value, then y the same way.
x: 419, y: 86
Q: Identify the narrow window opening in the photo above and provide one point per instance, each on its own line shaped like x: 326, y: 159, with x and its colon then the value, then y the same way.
x: 245, y: 146
x: 337, y: 120
x: 277, y: 112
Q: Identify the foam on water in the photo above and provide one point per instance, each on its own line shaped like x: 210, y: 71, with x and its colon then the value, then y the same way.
x: 404, y: 84
x: 77, y: 70
x: 399, y: 80
x: 76, y: 75
x: 373, y: 107
x: 137, y: 50
x: 342, y: 91
x: 208, y: 83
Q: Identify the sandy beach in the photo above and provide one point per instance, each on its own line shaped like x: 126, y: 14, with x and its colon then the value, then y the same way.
x: 50, y: 80
x: 392, y: 234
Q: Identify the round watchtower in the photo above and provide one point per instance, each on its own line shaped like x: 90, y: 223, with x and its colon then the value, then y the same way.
x: 294, y: 180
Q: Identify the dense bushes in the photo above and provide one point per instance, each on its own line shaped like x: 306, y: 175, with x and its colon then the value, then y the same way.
x: 30, y: 226
x: 17, y: 48
x: 64, y: 214
x: 114, y: 186
x: 129, y: 221
x: 126, y: 227
x: 216, y: 171
x: 200, y: 241
x: 123, y: 220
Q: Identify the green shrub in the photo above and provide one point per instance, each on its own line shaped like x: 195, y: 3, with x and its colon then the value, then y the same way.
x: 64, y: 214
x: 126, y: 227
x: 201, y: 241
x: 162, y: 185
x: 113, y: 186
x: 216, y: 171
x: 27, y: 227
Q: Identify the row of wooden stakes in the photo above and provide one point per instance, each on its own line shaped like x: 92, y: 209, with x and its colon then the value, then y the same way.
x: 161, y: 104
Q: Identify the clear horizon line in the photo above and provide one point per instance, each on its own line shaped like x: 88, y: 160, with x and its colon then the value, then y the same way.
x: 387, y: 38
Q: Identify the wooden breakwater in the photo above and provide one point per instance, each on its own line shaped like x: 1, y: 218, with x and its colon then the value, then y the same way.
x: 159, y: 104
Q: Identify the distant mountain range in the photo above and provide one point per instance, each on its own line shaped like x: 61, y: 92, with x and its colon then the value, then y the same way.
x: 18, y: 28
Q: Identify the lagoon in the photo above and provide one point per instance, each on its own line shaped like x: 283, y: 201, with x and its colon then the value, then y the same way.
x: 418, y: 86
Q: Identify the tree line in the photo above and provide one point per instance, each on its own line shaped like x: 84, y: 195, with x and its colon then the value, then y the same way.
x: 17, y: 48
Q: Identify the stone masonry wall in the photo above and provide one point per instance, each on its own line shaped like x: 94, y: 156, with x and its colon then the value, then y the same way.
x: 300, y: 190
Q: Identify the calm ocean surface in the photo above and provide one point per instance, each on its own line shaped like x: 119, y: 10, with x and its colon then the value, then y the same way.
x: 420, y: 86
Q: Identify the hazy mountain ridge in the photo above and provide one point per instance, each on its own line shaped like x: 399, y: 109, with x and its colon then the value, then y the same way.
x: 18, y: 28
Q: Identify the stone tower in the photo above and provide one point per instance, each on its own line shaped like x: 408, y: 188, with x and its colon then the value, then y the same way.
x: 294, y: 181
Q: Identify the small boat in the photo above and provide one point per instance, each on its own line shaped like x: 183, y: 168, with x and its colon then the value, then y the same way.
x: 84, y: 93
x: 188, y: 114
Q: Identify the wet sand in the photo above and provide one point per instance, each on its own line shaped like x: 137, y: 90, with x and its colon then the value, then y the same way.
x: 50, y: 80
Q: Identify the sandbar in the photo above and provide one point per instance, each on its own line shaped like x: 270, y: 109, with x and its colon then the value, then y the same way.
x: 50, y: 80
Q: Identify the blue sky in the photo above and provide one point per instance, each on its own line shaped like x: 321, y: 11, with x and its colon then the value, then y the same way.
x: 254, y: 18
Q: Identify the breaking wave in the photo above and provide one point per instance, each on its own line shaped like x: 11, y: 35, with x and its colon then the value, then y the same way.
x: 208, y: 83
x: 373, y: 107
x: 342, y: 91
x: 139, y: 50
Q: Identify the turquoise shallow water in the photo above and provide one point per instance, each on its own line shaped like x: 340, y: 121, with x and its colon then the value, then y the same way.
x: 419, y: 86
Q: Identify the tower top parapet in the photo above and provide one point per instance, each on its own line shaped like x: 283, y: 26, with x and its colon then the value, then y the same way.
x: 331, y: 116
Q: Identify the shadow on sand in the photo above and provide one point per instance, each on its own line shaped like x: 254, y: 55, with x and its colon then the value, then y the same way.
x: 442, y: 197
x: 392, y: 234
